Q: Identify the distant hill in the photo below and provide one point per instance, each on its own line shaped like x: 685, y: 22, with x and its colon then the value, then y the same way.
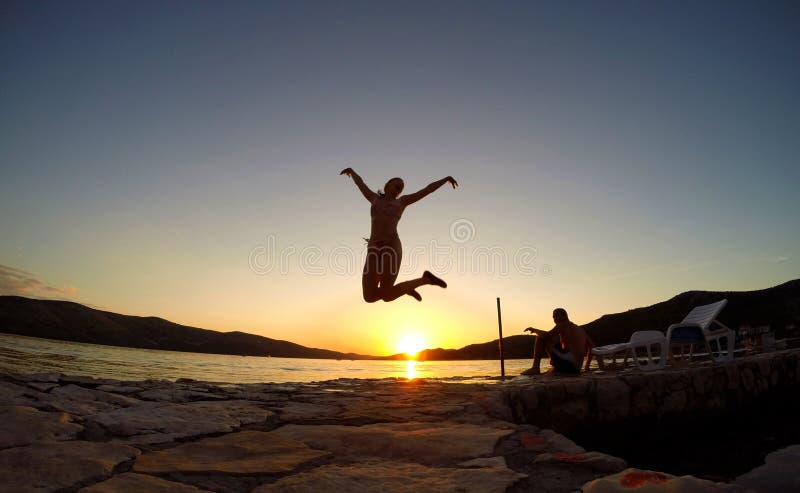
x: 778, y: 307
x: 69, y: 321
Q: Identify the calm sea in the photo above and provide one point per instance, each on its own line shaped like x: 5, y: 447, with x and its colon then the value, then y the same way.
x: 32, y: 355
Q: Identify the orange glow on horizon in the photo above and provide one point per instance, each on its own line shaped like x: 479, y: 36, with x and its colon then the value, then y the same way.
x: 411, y: 345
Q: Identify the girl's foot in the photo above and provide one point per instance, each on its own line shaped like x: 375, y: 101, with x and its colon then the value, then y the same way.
x: 433, y: 279
x: 414, y: 294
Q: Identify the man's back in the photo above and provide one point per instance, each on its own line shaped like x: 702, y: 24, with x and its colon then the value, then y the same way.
x: 574, y: 338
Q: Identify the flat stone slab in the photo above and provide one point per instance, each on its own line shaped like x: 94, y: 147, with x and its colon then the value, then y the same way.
x: 306, y: 411
x: 247, y: 452
x: 80, y: 401
x: 180, y: 420
x: 177, y: 395
x: 57, y: 465
x: 780, y: 473
x: 640, y: 481
x: 427, y: 443
x: 593, y: 460
x: 139, y: 483
x: 395, y: 477
x: 16, y: 395
x: 120, y: 389
x: 22, y: 425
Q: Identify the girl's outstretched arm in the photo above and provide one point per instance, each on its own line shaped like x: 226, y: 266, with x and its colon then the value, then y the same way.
x: 365, y: 191
x: 413, y: 197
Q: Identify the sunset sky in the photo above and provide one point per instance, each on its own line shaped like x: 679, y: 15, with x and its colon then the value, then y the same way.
x: 181, y: 159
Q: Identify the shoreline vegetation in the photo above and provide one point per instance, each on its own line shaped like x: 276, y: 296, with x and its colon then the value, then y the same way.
x: 777, y: 307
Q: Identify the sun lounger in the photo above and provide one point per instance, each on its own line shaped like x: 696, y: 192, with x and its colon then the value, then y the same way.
x: 647, y: 348
x: 696, y: 328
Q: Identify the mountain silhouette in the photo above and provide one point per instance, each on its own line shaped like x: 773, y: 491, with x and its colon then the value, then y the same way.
x: 68, y: 321
x: 778, y: 307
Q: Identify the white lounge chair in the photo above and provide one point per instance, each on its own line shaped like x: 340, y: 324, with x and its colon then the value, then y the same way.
x: 647, y: 348
x: 695, y: 328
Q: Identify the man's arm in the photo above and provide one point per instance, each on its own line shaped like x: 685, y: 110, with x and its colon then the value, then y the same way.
x: 538, y: 332
x: 365, y: 191
x: 413, y: 197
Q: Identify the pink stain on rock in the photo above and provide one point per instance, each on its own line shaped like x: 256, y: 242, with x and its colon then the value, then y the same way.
x: 569, y: 457
x: 532, y: 441
x: 634, y: 479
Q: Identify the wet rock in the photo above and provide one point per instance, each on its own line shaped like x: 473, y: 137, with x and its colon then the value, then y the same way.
x: 78, y: 393
x: 571, y: 414
x: 247, y: 452
x: 180, y: 420
x: 732, y: 373
x: 396, y: 477
x: 748, y: 379
x: 613, y: 400
x: 529, y: 398
x: 702, y: 380
x: 779, y: 474
x: 593, y: 460
x: 302, y: 411
x: 639, y: 481
x: 578, y: 387
x: 42, y: 386
x: 58, y: 465
x: 643, y: 402
x: 20, y: 425
x: 674, y: 403
x: 178, y: 395
x: 83, y: 380
x: 139, y: 483
x: 80, y: 401
x: 120, y: 389
x: 499, y: 462
x: 16, y: 395
x: 428, y: 443
x: 532, y: 442
x: 558, y: 443
x: 39, y: 377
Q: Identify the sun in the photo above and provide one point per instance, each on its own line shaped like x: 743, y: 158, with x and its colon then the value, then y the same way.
x: 411, y: 344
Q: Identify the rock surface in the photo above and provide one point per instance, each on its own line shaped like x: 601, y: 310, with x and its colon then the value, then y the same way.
x: 179, y: 420
x: 76, y: 433
x: 426, y: 443
x: 395, y: 477
x: 639, y: 481
x: 139, y: 483
x: 780, y: 473
x: 57, y: 465
x: 247, y: 452
x: 21, y: 425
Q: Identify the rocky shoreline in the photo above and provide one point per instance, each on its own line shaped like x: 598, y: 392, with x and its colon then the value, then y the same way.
x: 69, y: 433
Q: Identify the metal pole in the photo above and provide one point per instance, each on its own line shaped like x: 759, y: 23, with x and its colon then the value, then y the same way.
x: 500, y: 343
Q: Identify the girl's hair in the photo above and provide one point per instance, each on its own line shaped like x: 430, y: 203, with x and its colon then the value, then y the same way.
x: 381, y: 193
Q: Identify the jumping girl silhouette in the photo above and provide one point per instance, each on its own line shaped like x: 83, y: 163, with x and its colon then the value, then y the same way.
x: 384, y: 250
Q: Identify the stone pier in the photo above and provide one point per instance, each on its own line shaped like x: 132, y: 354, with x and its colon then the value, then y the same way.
x: 609, y: 398
x: 62, y: 433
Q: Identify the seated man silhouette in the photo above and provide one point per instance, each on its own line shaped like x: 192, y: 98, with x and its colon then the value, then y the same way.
x: 566, y: 344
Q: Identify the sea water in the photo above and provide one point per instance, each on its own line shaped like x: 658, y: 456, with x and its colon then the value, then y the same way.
x: 20, y: 354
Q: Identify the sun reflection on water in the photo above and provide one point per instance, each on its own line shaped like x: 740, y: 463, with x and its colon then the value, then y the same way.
x: 411, y: 370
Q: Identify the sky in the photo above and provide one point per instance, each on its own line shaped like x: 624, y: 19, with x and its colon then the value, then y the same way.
x: 181, y: 159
